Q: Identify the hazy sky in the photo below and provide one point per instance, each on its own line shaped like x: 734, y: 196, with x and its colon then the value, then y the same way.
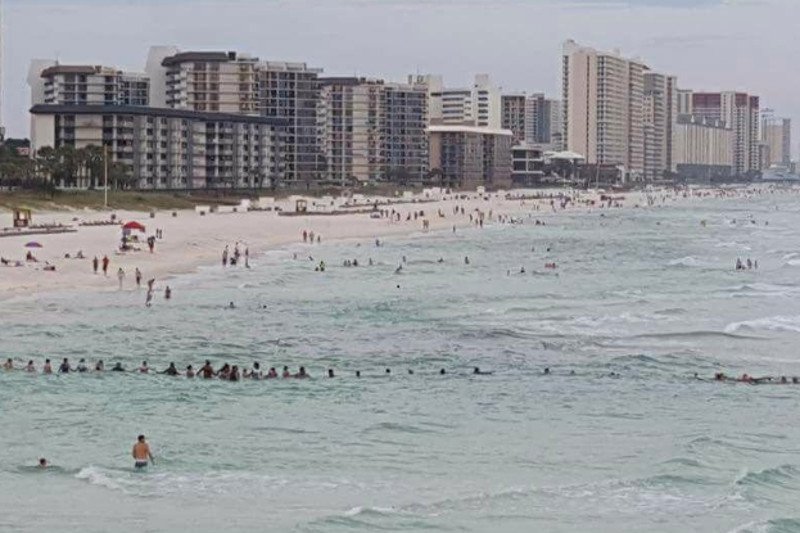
x: 747, y: 45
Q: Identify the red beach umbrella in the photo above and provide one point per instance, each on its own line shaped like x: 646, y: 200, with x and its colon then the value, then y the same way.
x: 133, y: 225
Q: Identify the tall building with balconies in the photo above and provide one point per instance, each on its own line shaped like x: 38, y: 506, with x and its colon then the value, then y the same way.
x: 776, y: 134
x: 90, y: 85
x: 603, y: 99
x: 660, y: 102
x: 291, y: 92
x: 221, y: 82
x: 373, y: 131
x: 740, y: 112
x: 479, y: 105
x: 167, y: 148
x: 534, y: 119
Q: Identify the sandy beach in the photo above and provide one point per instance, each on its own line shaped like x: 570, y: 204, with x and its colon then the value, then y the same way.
x: 191, y: 240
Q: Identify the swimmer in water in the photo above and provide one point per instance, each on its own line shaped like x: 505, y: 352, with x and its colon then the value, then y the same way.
x: 478, y: 372
x: 64, y: 368
x: 171, y: 370
x: 302, y: 373
x: 546, y: 372
x: 141, y: 453
x: 207, y: 371
x: 100, y: 366
x: 82, y: 366
x: 190, y: 372
x: 272, y: 374
x: 30, y: 367
x: 330, y: 373
x: 9, y: 364
x: 388, y: 372
x: 144, y: 369
x: 286, y: 374
x: 442, y: 372
x: 118, y: 368
x: 358, y: 373
x: 42, y: 463
x: 48, y: 369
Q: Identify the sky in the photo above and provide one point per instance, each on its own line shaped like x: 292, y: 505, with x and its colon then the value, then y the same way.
x: 745, y: 45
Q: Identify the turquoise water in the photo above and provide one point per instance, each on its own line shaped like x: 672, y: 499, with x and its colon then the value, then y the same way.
x: 648, y: 294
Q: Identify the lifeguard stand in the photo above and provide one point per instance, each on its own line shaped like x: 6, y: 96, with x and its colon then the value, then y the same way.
x: 301, y: 206
x: 22, y: 218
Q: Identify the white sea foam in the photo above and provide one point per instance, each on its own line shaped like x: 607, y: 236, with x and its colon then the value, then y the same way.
x: 774, y: 323
x: 684, y: 261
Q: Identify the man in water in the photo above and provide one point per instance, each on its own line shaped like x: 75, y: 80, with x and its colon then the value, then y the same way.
x: 43, y: 463
x: 64, y: 368
x: 118, y: 368
x: 9, y: 364
x: 171, y: 370
x: 141, y: 453
x: 48, y: 369
x: 206, y: 371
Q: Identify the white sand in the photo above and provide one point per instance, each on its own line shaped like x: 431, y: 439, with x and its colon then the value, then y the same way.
x: 191, y: 240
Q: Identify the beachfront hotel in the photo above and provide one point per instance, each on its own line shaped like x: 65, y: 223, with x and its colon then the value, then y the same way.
x: 291, y: 92
x: 468, y: 156
x: 740, y: 112
x: 702, y: 148
x: 660, y: 108
x: 603, y: 108
x: 168, y: 148
x: 373, y: 131
x: 534, y: 118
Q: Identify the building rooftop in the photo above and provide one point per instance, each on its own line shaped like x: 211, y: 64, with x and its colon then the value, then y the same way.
x: 187, y: 57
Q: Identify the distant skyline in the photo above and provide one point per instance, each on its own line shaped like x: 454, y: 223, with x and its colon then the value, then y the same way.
x: 741, y: 45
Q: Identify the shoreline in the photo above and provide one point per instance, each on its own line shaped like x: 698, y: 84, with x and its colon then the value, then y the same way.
x: 192, y: 241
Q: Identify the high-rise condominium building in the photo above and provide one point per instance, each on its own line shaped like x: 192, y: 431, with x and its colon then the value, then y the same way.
x: 291, y: 92
x: 603, y: 96
x: 223, y: 82
x: 373, y: 131
x: 740, y: 112
x: 479, y: 105
x: 534, y: 119
x: 513, y: 106
x: 702, y: 148
x: 89, y: 85
x: 776, y: 134
x: 660, y: 102
x: 468, y: 156
x: 167, y: 148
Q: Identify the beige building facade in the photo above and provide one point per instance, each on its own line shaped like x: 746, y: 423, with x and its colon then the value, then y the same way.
x: 603, y: 107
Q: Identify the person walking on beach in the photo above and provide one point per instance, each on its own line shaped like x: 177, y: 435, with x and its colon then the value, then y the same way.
x: 141, y: 453
x: 105, y: 265
x: 138, y: 275
x: 120, y: 277
x: 167, y: 293
x: 95, y: 264
x: 225, y: 256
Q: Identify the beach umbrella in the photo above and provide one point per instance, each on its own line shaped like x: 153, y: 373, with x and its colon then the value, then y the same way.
x: 133, y: 226
x: 33, y: 244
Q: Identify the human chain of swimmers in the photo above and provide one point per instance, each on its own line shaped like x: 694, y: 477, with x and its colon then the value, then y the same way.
x: 229, y: 372
x: 226, y: 372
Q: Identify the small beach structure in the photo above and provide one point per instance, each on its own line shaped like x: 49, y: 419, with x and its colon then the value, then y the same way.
x: 301, y: 205
x: 22, y: 218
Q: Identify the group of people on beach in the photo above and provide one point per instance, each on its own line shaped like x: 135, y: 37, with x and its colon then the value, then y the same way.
x: 751, y: 380
x: 235, y: 258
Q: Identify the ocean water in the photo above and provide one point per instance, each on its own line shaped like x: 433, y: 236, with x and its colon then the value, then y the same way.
x: 648, y: 294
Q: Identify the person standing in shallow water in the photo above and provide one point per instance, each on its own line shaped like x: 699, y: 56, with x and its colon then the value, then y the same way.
x: 141, y: 453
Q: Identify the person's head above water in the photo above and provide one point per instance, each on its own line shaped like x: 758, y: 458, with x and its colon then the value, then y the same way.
x: 140, y: 438
x: 42, y: 462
